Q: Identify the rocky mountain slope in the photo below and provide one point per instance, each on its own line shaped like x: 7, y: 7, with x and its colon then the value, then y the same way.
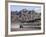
x: 25, y: 15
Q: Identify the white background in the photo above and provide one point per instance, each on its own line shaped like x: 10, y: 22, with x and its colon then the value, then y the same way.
x: 2, y: 19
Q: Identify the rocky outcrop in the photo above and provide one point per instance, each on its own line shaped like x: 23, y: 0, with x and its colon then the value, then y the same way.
x: 25, y: 15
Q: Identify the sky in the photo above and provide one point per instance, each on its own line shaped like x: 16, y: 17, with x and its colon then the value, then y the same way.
x: 18, y: 8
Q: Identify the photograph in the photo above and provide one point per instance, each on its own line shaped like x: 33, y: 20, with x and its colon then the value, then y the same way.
x: 24, y: 18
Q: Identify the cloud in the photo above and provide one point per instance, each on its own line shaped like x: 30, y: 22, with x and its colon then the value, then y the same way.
x: 37, y: 10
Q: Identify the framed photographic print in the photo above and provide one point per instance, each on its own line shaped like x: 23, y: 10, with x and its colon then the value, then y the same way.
x: 25, y: 18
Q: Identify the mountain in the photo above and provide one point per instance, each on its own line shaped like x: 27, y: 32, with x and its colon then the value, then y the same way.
x: 19, y: 12
x: 25, y: 15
